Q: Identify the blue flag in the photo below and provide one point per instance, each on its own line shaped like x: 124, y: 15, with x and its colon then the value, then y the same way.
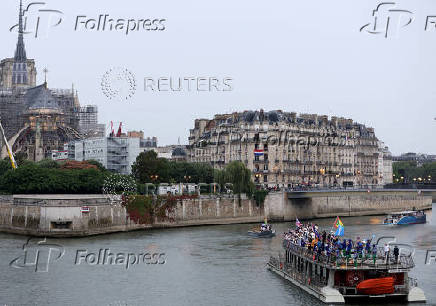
x: 340, y: 231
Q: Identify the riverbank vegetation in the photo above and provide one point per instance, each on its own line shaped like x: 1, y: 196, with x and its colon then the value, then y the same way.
x: 51, y: 177
x: 90, y: 177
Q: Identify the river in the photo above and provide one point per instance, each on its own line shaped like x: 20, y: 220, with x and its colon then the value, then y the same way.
x: 207, y: 265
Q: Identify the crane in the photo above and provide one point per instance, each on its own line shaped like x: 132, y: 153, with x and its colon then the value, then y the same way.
x: 11, y: 156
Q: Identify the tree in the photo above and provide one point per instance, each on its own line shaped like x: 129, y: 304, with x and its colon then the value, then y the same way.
x: 240, y: 176
x: 409, y: 170
x: 98, y: 164
x: 5, y: 165
x: 48, y: 163
x: 148, y: 168
x: 191, y: 172
x: 33, y: 178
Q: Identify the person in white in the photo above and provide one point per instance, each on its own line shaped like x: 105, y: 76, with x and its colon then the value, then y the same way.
x: 386, y: 249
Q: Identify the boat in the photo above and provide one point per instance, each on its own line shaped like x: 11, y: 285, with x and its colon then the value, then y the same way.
x: 376, y: 286
x: 265, y: 231
x: 335, y: 278
x: 406, y: 217
x: 262, y: 234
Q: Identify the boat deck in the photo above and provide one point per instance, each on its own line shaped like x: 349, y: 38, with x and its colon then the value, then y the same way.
x: 404, y: 264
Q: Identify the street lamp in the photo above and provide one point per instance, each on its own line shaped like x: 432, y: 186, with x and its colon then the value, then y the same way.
x: 154, y: 177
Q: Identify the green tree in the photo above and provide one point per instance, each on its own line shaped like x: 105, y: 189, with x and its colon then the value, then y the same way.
x: 33, y: 178
x: 409, y: 170
x: 5, y: 165
x: 148, y: 168
x: 240, y: 176
x: 48, y: 163
x: 98, y: 164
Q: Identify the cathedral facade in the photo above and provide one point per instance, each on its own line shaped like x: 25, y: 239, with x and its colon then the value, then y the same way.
x: 36, y: 119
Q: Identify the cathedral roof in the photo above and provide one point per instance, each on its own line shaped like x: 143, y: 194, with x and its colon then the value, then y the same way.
x: 40, y: 97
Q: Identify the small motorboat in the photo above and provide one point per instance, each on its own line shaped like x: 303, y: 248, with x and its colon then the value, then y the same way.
x: 376, y: 286
x: 265, y: 231
x: 406, y: 217
x: 262, y: 234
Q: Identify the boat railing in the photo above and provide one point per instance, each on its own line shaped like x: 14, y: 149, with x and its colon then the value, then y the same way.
x: 354, y: 260
x: 314, y: 281
x: 413, y: 282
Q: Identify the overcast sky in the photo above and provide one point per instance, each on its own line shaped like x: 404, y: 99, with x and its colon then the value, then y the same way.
x: 302, y: 56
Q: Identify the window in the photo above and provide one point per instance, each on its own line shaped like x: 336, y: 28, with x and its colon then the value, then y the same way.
x: 265, y: 178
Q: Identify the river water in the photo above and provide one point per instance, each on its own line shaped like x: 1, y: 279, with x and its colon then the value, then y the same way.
x: 207, y: 265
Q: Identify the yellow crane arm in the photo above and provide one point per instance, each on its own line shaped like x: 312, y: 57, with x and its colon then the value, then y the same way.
x: 11, y: 156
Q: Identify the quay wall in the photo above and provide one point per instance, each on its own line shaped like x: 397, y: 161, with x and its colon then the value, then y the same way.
x: 65, y: 216
x: 287, y: 206
x: 84, y: 215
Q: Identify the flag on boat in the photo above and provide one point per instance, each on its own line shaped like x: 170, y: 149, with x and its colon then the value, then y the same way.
x: 297, y: 222
x: 258, y: 152
x: 340, y: 230
x: 337, y: 223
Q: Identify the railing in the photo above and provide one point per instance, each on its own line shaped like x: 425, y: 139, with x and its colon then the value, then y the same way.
x: 338, y: 188
x: 413, y: 282
x: 353, y: 260
x: 314, y: 281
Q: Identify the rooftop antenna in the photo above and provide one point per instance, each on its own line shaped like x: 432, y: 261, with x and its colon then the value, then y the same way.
x: 45, y: 75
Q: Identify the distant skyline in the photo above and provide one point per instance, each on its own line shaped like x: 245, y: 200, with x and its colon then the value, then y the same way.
x: 289, y: 55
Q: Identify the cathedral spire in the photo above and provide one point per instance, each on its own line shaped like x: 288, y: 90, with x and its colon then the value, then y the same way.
x: 20, y: 52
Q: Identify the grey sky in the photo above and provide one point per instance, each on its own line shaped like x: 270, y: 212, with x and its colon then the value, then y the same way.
x: 303, y: 56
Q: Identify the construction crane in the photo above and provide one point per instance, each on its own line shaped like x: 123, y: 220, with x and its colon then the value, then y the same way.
x: 11, y: 156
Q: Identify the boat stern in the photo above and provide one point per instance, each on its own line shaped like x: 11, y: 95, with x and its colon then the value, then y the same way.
x: 331, y: 295
x: 416, y: 295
